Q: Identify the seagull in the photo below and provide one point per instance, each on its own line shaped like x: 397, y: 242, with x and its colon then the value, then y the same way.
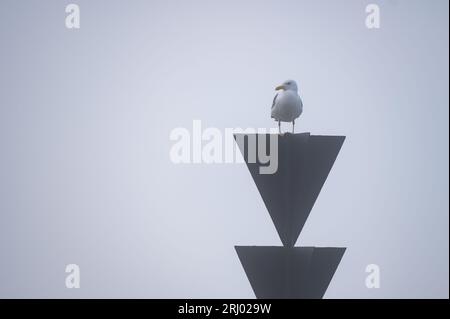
x: 287, y: 105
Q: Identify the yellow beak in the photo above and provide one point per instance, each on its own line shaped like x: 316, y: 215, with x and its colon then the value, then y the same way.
x: 279, y: 87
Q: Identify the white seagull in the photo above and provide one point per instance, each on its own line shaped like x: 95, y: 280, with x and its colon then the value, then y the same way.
x: 287, y: 105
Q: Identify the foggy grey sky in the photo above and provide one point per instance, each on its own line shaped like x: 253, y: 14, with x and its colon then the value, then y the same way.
x: 85, y: 118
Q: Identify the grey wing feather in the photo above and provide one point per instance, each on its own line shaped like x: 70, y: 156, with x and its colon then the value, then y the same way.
x: 274, y: 100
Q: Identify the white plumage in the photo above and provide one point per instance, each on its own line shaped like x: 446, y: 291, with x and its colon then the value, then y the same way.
x: 287, y: 105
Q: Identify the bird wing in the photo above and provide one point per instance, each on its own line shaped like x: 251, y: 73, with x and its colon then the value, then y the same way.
x: 274, y: 101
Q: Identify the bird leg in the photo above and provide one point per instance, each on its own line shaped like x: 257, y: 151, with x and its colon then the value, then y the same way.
x: 293, y: 124
x: 279, y: 127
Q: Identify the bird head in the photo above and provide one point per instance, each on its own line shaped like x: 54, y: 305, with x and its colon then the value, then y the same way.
x: 288, y: 85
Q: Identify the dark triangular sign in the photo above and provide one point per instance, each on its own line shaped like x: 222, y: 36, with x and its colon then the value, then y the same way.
x: 304, y: 162
x: 289, y: 272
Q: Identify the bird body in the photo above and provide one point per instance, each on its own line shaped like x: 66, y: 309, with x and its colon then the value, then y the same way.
x: 287, y: 105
